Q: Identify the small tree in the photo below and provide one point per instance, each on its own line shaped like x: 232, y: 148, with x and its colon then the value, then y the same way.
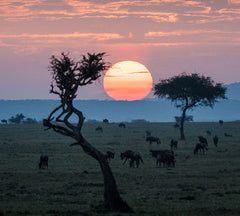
x: 189, y: 91
x: 17, y: 119
x: 67, y: 77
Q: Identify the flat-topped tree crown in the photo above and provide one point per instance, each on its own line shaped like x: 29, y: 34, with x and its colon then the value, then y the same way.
x: 188, y: 91
x: 193, y: 88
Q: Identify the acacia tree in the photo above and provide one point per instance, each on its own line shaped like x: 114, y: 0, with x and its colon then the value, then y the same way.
x: 189, y: 91
x: 17, y: 119
x: 67, y: 77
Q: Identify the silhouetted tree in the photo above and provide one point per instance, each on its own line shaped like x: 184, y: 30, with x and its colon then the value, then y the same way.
x: 17, y: 119
x: 67, y: 76
x: 189, y: 91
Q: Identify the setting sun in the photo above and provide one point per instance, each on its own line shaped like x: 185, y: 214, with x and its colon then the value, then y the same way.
x: 127, y: 80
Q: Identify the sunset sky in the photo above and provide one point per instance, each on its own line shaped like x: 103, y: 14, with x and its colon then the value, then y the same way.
x: 167, y: 36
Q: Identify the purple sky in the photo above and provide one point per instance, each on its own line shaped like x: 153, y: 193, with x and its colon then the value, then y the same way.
x: 167, y: 36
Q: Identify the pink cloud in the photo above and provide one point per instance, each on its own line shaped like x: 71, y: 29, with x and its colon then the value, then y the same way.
x: 190, y: 32
x: 234, y: 1
x: 95, y: 36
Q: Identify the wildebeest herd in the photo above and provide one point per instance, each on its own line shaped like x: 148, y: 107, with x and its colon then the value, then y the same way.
x: 163, y: 157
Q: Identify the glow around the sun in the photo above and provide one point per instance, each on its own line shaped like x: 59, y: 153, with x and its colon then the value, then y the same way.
x: 128, y: 80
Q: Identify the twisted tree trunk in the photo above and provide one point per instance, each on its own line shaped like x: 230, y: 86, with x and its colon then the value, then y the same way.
x: 112, y: 198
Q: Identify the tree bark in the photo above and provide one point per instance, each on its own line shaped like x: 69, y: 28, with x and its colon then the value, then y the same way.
x: 182, y: 124
x: 112, y: 198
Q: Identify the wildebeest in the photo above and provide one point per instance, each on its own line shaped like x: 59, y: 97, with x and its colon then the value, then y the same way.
x: 165, y: 157
x: 4, y: 121
x: 227, y: 135
x: 109, y: 155
x: 200, y: 147
x: 151, y: 139
x: 122, y: 125
x: 126, y: 155
x: 220, y: 122
x: 208, y: 132
x: 99, y: 129
x: 215, y: 140
x: 203, y: 140
x: 105, y: 121
x: 173, y: 144
x: 43, y: 162
x: 133, y: 157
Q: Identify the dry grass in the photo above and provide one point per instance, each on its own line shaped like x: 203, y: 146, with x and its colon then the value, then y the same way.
x: 200, y: 185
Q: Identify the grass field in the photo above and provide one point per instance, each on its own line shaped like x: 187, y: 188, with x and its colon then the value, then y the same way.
x: 72, y: 185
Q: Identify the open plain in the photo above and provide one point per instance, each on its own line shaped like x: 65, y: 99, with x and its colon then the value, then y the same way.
x: 73, y: 185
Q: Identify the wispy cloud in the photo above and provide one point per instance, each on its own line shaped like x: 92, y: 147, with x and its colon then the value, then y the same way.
x: 140, y: 72
x: 93, y: 36
x: 234, y: 1
x: 201, y: 36
x: 190, y: 32
x: 156, y: 10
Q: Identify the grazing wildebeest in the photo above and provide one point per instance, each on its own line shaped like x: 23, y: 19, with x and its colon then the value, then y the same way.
x: 220, y: 122
x: 43, y: 162
x: 133, y: 157
x: 4, y: 121
x: 173, y: 144
x: 151, y: 139
x: 105, y: 121
x: 176, y: 125
x: 148, y: 133
x: 227, y: 135
x: 200, y: 147
x: 208, y: 132
x: 109, y: 155
x: 99, y: 129
x: 165, y: 157
x: 122, y: 125
x: 203, y: 140
x: 126, y: 155
x: 215, y: 140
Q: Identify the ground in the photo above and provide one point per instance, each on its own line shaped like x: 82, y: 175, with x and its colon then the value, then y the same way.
x: 73, y: 185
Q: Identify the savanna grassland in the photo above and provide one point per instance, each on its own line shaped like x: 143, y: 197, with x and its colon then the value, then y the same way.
x: 72, y: 185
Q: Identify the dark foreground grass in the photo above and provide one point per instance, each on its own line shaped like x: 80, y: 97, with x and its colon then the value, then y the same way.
x: 199, y: 184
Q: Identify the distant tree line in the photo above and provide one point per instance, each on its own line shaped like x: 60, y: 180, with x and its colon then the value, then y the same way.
x: 19, y: 119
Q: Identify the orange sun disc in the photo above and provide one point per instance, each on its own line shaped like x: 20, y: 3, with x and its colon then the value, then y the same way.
x: 127, y: 80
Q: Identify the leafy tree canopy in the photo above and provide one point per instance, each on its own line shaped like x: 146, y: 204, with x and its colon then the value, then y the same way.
x: 190, y: 90
x: 68, y: 75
